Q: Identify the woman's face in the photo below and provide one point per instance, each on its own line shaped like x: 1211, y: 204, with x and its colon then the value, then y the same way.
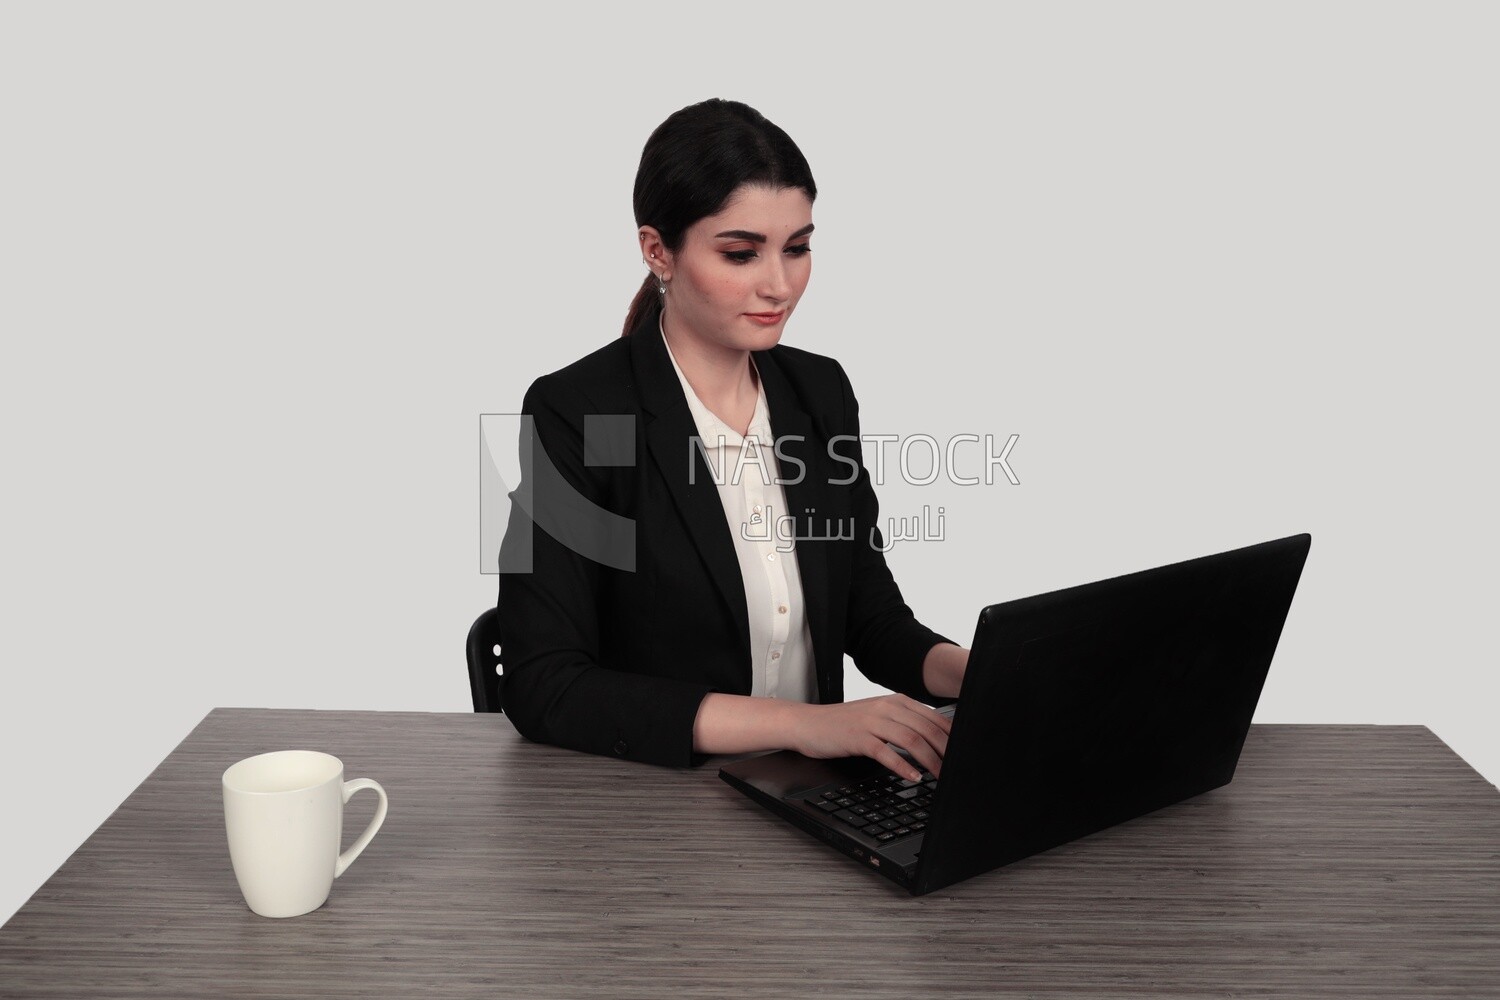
x: 740, y: 273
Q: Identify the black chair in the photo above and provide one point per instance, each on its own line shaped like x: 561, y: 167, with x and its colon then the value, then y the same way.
x: 486, y: 682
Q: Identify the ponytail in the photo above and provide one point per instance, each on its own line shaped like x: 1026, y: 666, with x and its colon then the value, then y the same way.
x: 644, y: 308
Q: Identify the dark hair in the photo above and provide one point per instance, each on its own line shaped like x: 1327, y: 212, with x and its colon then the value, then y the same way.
x: 693, y: 162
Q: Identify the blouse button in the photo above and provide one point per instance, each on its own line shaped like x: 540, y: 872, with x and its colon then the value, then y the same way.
x: 776, y: 655
x: 781, y: 610
x: 771, y: 556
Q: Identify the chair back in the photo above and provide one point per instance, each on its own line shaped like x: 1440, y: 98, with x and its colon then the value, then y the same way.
x: 486, y: 682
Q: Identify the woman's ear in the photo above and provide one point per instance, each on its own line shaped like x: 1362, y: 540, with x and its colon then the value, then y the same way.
x: 655, y: 253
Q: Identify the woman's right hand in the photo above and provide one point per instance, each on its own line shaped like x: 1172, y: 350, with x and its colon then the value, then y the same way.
x: 864, y: 727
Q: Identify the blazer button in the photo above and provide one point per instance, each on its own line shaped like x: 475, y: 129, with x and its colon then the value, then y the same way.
x: 620, y: 748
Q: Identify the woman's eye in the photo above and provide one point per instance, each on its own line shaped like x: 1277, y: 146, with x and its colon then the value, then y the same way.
x: 745, y: 256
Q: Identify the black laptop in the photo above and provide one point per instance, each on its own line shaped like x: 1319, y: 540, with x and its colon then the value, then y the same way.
x: 1080, y: 709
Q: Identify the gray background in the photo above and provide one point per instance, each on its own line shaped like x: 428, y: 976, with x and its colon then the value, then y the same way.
x: 1229, y: 271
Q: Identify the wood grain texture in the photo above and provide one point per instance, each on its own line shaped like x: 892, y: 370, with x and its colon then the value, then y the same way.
x: 1342, y: 861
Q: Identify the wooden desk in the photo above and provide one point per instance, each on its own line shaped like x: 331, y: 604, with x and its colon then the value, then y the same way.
x: 1347, y: 861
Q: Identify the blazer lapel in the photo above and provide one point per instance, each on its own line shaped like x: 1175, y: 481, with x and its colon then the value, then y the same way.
x: 793, y: 430
x: 669, y: 432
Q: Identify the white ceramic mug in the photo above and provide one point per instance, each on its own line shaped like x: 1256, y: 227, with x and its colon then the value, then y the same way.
x: 284, y: 812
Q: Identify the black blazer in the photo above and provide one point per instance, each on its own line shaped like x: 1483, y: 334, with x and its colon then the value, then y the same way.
x: 616, y: 661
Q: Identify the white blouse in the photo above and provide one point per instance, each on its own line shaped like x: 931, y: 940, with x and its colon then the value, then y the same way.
x: 780, y: 640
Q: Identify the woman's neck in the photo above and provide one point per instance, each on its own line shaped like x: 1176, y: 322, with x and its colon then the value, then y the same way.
x: 723, y: 378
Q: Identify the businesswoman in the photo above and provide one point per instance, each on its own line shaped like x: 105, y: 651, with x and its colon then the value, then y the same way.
x: 693, y: 547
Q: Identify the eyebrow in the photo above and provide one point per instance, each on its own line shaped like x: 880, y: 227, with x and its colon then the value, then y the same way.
x: 745, y: 234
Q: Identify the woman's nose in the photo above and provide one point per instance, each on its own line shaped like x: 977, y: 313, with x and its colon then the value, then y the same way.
x: 776, y: 285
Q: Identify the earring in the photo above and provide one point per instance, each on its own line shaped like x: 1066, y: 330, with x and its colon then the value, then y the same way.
x: 661, y: 285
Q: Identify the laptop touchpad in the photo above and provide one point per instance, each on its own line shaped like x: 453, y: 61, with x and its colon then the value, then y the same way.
x: 903, y: 852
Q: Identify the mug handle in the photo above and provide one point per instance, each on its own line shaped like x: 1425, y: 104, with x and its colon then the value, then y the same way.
x: 350, y: 787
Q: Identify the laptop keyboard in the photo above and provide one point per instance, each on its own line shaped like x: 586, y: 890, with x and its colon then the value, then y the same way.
x: 887, y: 808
